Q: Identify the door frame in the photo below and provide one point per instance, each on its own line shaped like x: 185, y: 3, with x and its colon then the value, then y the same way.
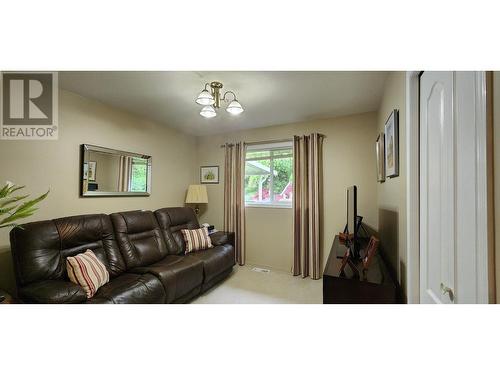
x: 484, y: 245
x: 412, y: 187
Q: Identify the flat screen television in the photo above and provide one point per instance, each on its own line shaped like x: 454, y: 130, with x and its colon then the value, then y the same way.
x: 352, y: 207
x: 353, y: 220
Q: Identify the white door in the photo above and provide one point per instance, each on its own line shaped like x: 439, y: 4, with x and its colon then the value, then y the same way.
x: 453, y: 193
x: 436, y: 187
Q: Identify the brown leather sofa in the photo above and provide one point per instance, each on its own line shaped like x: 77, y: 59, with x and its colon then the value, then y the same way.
x: 143, y: 252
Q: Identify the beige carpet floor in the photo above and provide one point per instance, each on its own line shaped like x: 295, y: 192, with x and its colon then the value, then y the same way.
x: 247, y: 286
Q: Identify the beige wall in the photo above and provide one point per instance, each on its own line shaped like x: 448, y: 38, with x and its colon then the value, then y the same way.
x: 392, y: 193
x: 349, y: 158
x: 269, y: 237
x: 41, y: 165
x: 496, y: 175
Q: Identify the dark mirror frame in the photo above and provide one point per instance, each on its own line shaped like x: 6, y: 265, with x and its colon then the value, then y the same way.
x: 85, y: 194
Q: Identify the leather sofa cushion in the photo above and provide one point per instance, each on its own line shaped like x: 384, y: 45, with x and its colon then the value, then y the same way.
x: 90, y: 232
x: 131, y: 288
x: 36, y: 252
x: 52, y: 291
x: 178, y: 274
x: 222, y: 238
x: 40, y: 249
x: 215, y: 260
x: 171, y: 221
x: 139, y: 238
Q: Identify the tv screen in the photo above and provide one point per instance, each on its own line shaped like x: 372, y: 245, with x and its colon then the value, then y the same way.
x: 352, y: 210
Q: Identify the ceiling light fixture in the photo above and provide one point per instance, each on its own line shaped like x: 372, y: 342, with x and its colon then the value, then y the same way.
x: 211, y: 100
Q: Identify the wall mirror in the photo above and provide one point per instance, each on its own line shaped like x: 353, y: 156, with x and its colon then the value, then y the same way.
x: 108, y: 172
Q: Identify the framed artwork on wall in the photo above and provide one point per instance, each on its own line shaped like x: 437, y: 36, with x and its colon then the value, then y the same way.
x: 209, y: 174
x: 91, y: 170
x: 392, y: 145
x: 380, y: 151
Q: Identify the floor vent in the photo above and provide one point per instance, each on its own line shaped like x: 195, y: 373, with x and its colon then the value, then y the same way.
x: 263, y: 270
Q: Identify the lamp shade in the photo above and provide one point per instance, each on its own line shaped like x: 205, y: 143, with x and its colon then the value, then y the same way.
x: 205, y: 98
x: 197, y: 194
x: 234, y: 108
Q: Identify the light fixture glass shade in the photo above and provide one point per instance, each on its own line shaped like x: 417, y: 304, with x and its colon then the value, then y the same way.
x: 205, y: 98
x: 208, y: 111
x: 234, y: 108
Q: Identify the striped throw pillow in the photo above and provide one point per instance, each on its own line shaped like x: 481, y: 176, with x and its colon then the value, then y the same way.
x: 87, y: 271
x: 196, y: 239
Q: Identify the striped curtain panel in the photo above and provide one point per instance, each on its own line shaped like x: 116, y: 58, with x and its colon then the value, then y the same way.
x: 234, y: 197
x: 124, y: 173
x: 307, y: 199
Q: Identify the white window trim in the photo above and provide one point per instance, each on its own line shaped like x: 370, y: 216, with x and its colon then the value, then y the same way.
x: 269, y: 146
x: 268, y: 205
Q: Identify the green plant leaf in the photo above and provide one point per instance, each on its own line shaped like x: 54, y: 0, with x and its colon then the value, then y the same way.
x: 9, y: 225
x: 24, y: 213
x: 31, y: 203
x: 15, y: 188
x: 18, y: 215
x: 8, y: 190
x: 5, y: 201
x: 16, y: 212
x: 7, y: 210
x: 4, y: 191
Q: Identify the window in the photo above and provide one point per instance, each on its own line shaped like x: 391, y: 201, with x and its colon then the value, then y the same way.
x: 139, y: 174
x: 269, y: 175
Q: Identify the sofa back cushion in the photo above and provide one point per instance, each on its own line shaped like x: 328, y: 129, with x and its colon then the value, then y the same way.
x: 139, y: 237
x: 172, y: 221
x: 40, y: 249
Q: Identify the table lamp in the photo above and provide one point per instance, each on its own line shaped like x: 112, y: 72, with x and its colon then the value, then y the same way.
x: 197, y: 194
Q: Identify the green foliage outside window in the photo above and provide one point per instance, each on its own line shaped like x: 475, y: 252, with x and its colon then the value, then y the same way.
x: 281, y: 163
x: 139, y: 176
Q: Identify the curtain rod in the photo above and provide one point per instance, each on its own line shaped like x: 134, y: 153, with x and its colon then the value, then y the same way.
x: 267, y: 141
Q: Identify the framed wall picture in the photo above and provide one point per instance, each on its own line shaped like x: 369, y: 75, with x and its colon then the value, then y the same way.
x: 209, y: 174
x: 380, y: 151
x: 91, y: 170
x: 392, y: 145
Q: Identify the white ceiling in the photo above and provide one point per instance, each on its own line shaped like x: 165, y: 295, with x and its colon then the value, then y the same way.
x: 269, y: 98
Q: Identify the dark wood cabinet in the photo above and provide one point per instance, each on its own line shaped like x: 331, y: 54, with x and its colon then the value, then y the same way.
x: 5, y: 298
x: 376, y: 287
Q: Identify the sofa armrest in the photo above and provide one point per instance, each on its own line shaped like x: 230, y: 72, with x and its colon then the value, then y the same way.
x: 52, y: 291
x: 222, y: 238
